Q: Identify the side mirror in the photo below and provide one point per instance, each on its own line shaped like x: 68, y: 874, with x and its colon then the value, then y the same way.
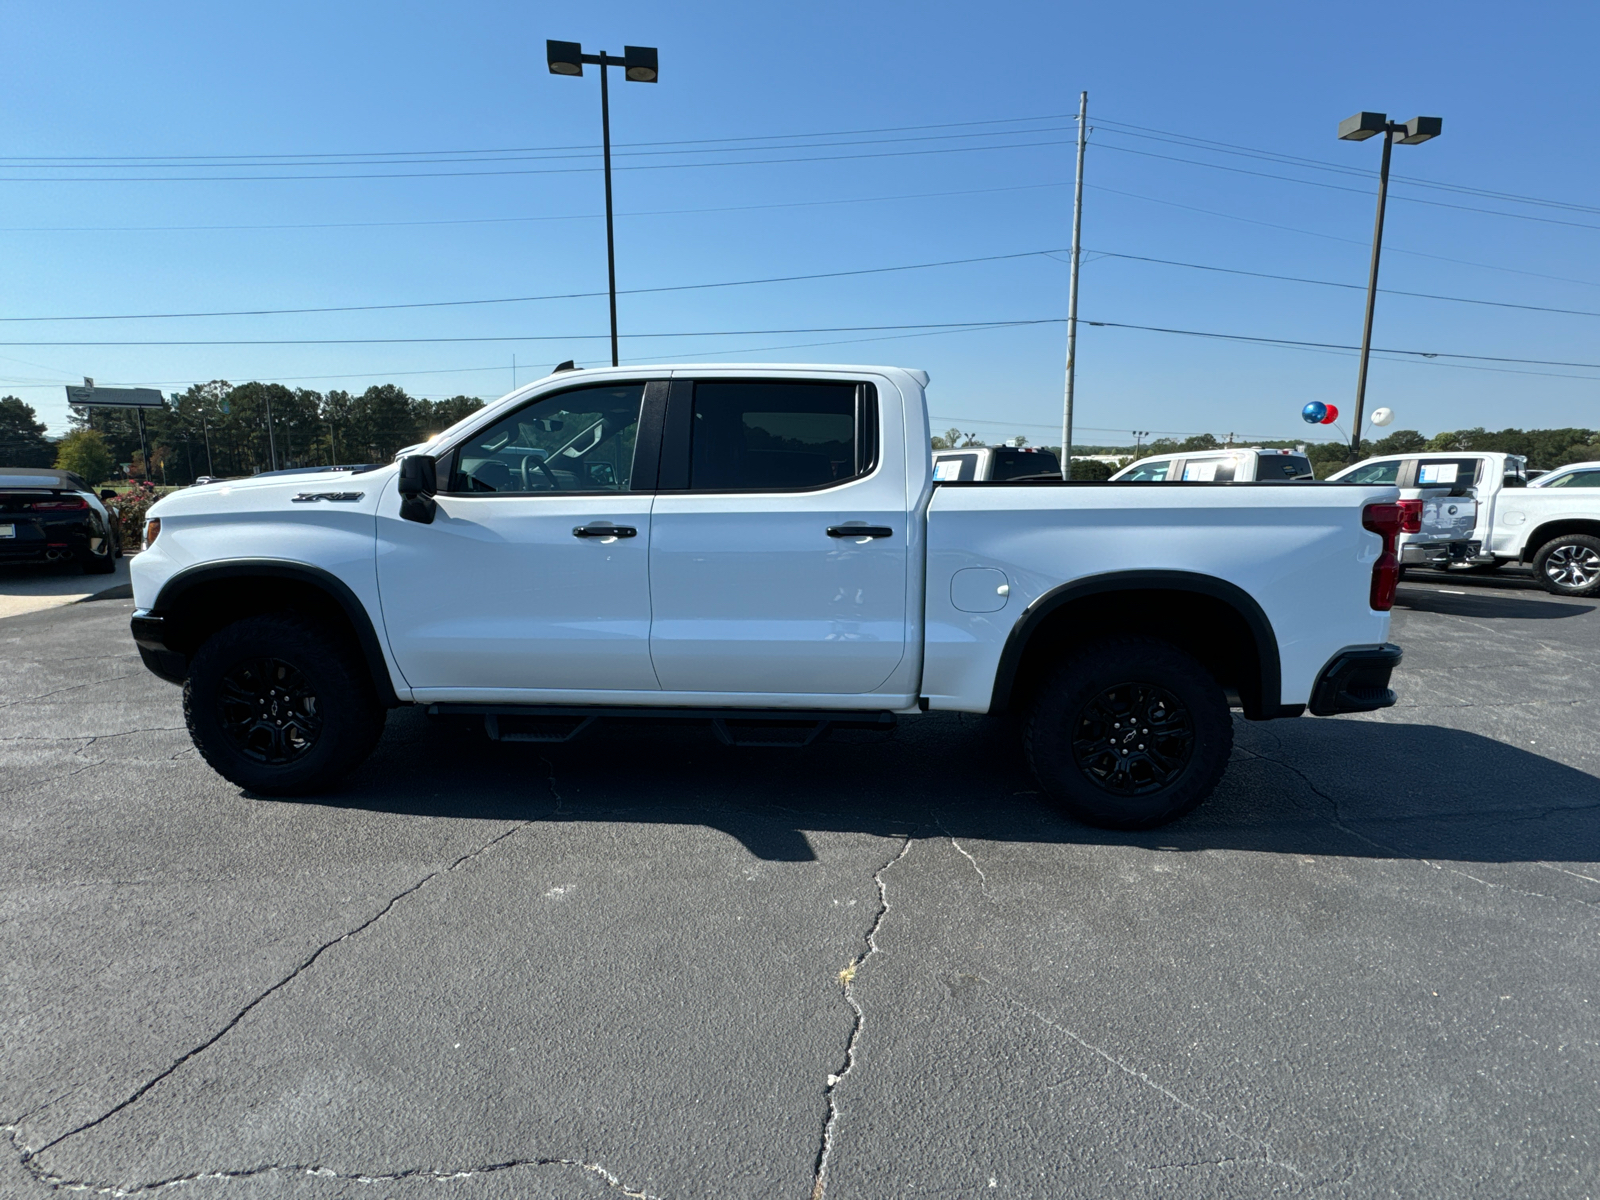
x: 107, y: 494
x: 419, y: 481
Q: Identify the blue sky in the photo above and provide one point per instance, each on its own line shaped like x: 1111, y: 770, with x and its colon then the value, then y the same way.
x: 970, y: 159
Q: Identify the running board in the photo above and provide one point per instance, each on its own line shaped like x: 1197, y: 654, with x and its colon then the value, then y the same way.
x: 732, y: 726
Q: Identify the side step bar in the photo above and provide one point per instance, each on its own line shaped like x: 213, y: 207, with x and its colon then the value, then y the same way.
x: 732, y: 726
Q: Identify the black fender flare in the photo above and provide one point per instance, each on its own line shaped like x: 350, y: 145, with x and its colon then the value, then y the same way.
x: 174, y: 589
x: 1270, y: 681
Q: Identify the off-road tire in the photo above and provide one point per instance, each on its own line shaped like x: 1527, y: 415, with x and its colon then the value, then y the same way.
x: 1171, y: 757
x: 1574, y: 556
x: 245, y: 670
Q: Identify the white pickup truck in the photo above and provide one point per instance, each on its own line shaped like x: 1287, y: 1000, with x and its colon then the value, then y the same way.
x: 1475, y: 509
x: 764, y: 548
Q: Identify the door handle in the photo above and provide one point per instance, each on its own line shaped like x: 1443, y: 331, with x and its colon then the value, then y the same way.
x: 860, y: 531
x: 605, y: 531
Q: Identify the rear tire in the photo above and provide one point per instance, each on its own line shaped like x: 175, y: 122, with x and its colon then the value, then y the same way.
x: 280, y: 706
x: 1129, y: 733
x: 1569, y: 565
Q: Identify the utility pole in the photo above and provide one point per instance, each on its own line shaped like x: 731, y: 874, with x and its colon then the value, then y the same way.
x: 210, y: 466
x: 1072, y: 291
x: 272, y: 445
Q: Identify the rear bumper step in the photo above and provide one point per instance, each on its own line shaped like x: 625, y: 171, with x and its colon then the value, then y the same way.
x: 1356, y: 680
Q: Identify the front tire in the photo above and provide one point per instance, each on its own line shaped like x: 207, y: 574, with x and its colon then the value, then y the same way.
x: 280, y: 706
x: 1129, y: 733
x: 1569, y: 565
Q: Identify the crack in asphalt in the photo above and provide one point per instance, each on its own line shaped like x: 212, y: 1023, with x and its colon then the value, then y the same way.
x: 29, y: 1154
x: 73, y: 688
x: 610, y: 1179
x: 96, y: 736
x: 983, y: 880
x: 847, y: 978
x: 1338, y: 823
x: 53, y: 779
x: 1143, y: 1077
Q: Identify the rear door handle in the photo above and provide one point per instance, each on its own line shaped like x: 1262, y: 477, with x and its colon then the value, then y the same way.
x: 605, y: 531
x: 860, y: 531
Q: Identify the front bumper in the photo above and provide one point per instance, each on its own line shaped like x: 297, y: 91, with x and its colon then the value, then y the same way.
x: 1356, y: 680
x: 1440, y: 554
x: 149, y: 634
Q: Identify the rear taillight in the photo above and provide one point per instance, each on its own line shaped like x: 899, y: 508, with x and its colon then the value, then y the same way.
x: 63, y: 504
x: 152, y: 530
x: 1410, y: 516
x: 1386, y: 520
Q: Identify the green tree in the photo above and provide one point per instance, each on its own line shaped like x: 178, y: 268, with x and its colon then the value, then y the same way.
x: 1401, y: 441
x: 22, y: 439
x: 435, y: 416
x: 84, y: 452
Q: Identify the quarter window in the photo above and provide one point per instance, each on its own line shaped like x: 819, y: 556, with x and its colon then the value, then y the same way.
x: 780, y: 437
x: 576, y: 441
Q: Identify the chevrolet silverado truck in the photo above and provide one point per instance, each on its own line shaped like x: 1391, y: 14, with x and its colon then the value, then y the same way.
x: 763, y: 548
x: 1497, y: 517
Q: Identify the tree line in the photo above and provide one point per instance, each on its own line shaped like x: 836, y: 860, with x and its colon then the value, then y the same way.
x: 223, y: 429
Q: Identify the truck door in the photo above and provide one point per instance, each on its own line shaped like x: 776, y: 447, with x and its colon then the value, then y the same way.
x: 778, y: 549
x: 534, y: 573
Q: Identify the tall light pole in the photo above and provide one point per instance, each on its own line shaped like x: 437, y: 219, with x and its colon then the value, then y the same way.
x: 638, y: 65
x: 1072, y: 292
x: 1358, y: 129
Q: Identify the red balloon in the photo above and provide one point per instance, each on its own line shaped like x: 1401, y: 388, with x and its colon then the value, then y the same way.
x: 1332, y: 416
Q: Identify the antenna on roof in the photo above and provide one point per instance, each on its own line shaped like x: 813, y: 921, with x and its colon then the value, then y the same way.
x: 569, y: 365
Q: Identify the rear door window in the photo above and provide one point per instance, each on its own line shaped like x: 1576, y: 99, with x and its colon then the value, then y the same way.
x: 1283, y: 466
x: 780, y: 436
x: 1447, y: 472
x: 1208, y: 470
x: 955, y: 467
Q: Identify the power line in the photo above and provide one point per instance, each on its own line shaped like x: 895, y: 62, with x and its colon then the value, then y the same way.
x: 519, y: 172
x: 1574, y: 312
x: 659, y: 212
x: 683, y: 287
x: 1341, y: 188
x: 1340, y: 168
x: 1331, y: 237
x: 531, y: 149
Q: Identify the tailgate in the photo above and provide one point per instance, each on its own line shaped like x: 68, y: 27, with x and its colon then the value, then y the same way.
x: 1447, y: 518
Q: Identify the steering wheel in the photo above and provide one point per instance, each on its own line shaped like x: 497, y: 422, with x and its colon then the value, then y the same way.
x: 555, y: 484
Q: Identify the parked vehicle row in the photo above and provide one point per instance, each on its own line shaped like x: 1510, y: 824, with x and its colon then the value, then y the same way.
x: 1553, y: 523
x: 765, y: 548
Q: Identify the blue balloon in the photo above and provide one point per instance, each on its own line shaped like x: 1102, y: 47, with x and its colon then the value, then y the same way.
x: 1314, y: 412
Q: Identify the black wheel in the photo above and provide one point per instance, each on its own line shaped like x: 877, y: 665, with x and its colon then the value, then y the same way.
x: 1569, y: 565
x: 1129, y: 733
x: 280, y: 706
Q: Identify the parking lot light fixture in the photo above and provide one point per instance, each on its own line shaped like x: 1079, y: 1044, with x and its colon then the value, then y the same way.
x: 1409, y: 133
x: 639, y: 65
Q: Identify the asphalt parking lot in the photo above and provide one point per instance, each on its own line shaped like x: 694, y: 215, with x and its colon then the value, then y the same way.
x: 645, y: 964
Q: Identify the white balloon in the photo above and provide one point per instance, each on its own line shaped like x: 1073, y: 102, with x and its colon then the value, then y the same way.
x: 1382, y: 416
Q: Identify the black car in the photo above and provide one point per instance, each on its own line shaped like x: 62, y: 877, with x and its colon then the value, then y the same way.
x: 52, y: 516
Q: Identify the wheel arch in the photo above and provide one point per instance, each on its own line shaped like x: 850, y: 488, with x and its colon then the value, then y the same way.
x: 1554, y: 529
x: 199, y: 600
x: 1216, y: 621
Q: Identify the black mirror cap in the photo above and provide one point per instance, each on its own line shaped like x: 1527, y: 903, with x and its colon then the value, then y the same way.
x: 419, y: 475
x: 107, y: 494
